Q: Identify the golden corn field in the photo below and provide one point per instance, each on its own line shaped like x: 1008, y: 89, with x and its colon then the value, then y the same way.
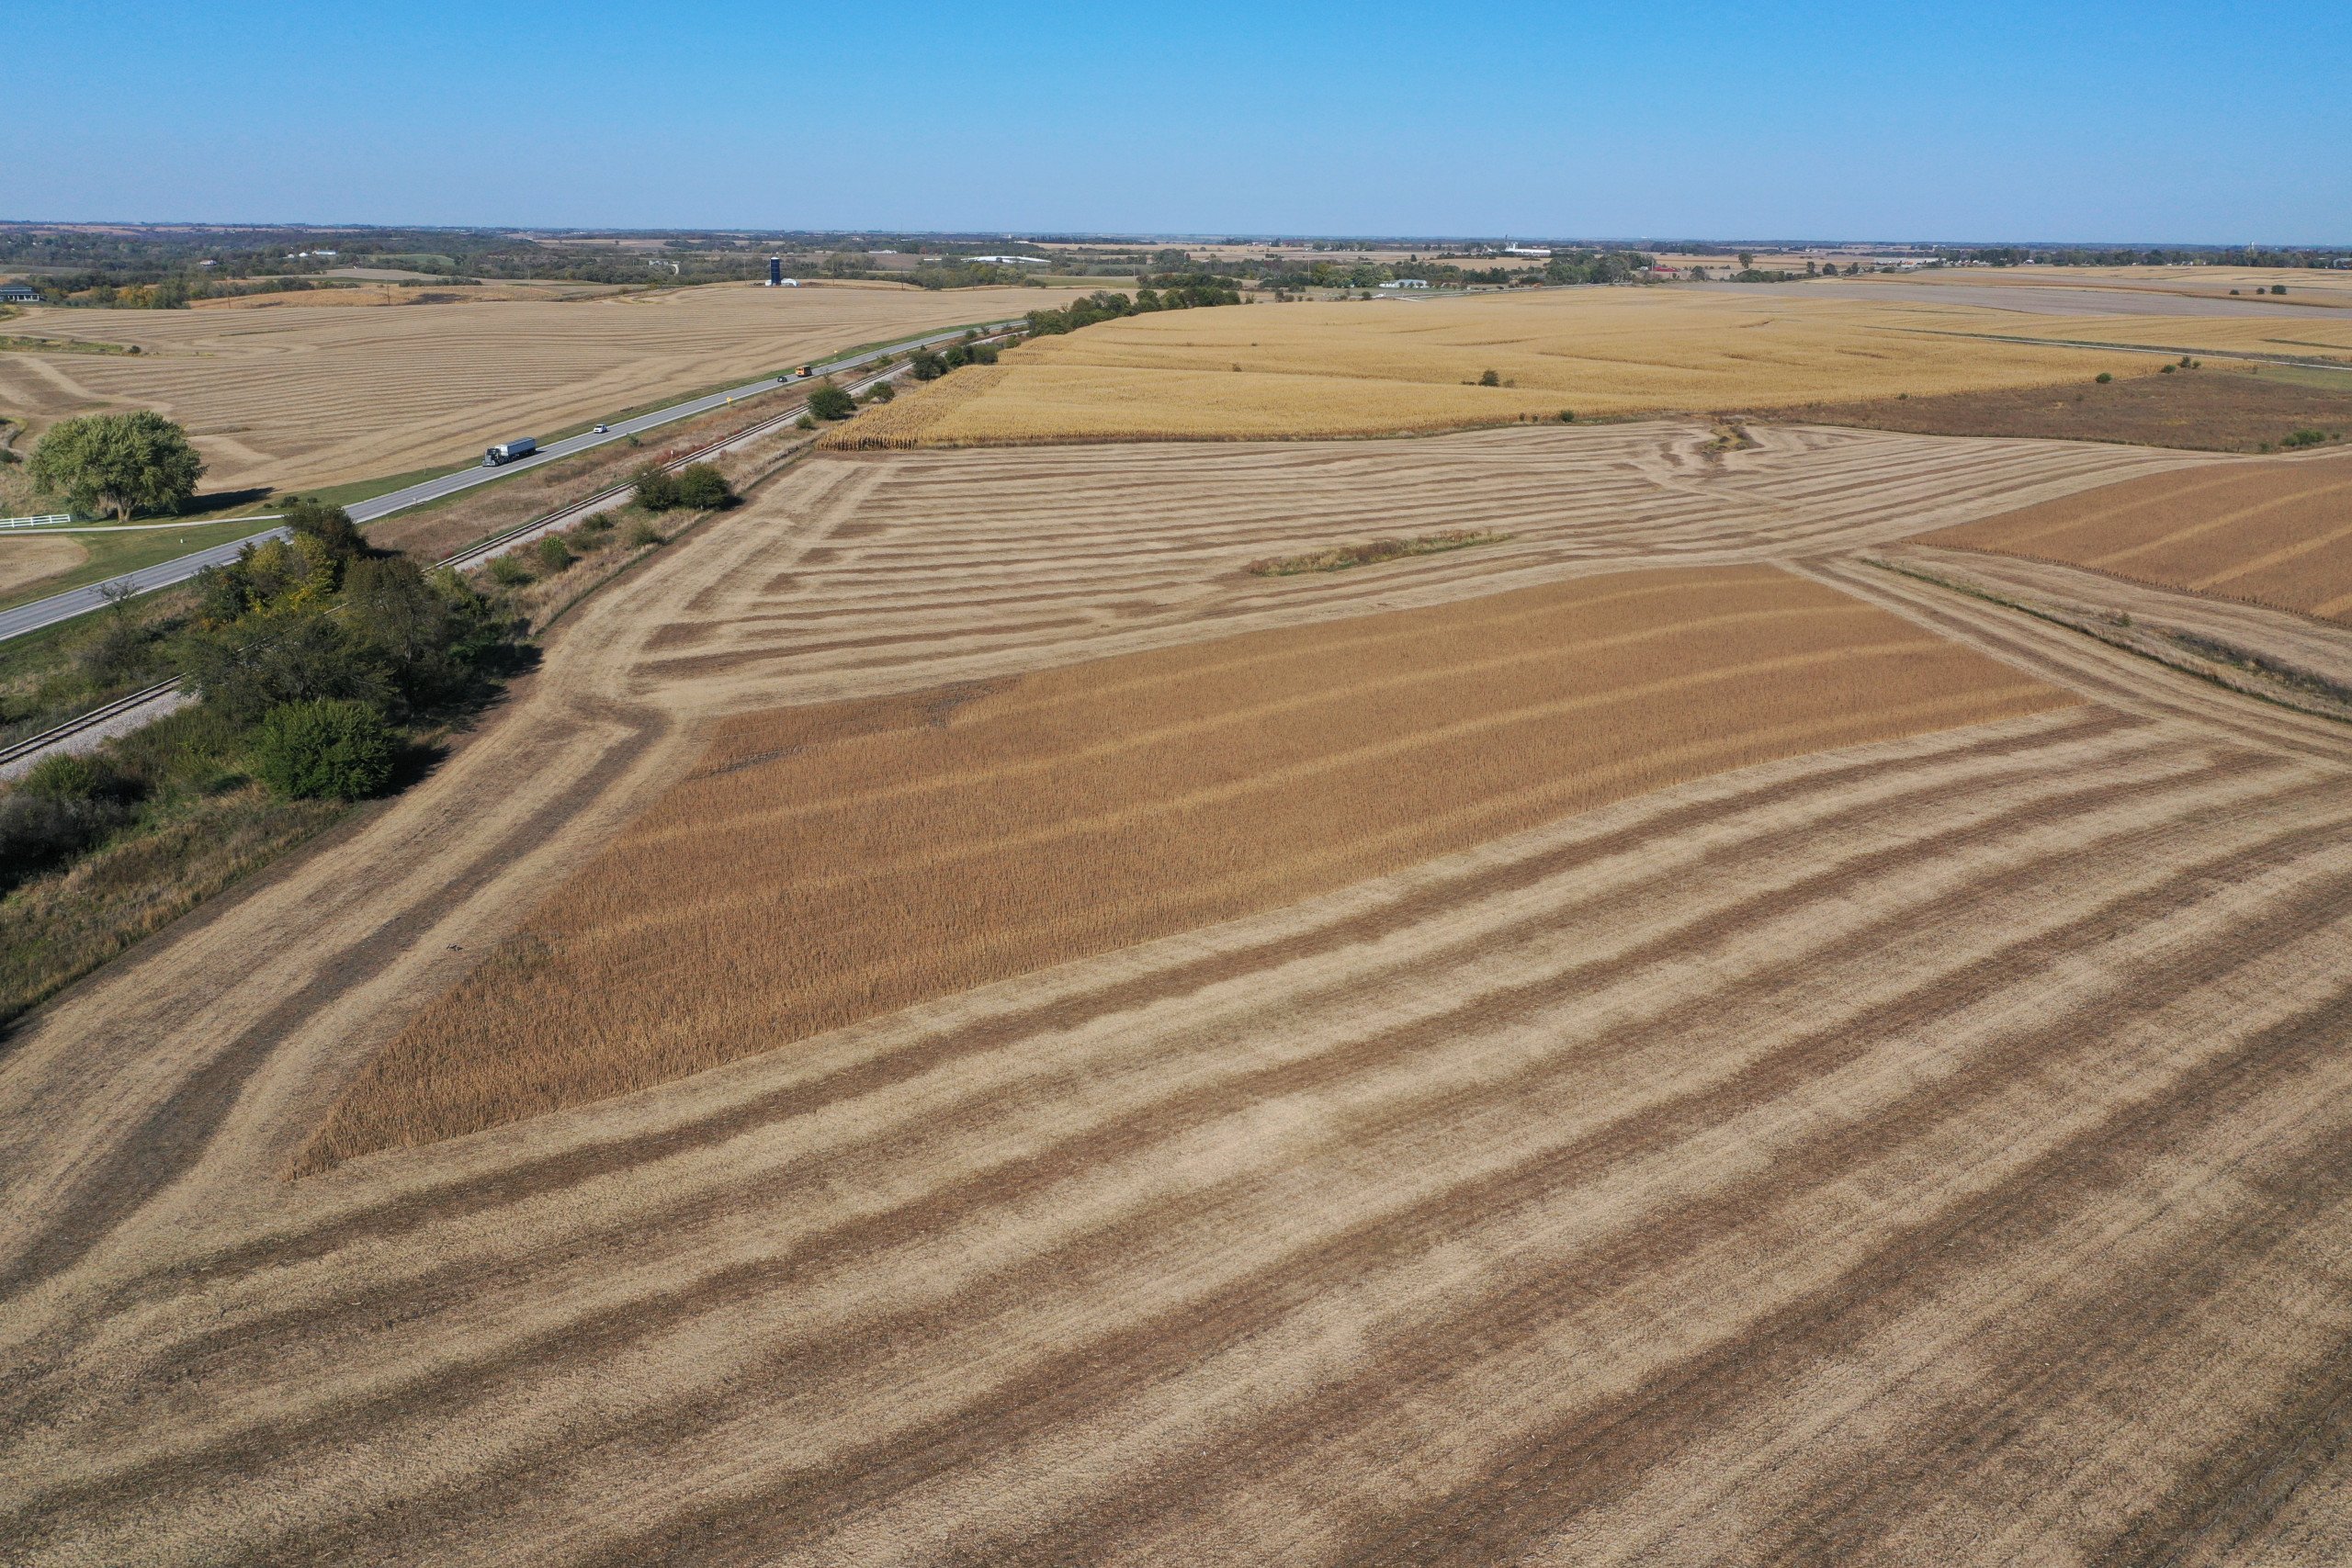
x: 1538, y: 1056
x: 1378, y: 366
x: 2274, y: 534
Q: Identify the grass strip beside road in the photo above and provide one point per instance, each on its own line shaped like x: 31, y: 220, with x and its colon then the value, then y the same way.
x: 112, y: 554
x: 357, y: 490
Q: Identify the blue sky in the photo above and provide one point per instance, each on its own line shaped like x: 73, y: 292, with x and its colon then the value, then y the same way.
x: 2144, y: 121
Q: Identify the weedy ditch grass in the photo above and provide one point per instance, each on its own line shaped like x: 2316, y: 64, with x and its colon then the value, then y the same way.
x: 1372, y: 552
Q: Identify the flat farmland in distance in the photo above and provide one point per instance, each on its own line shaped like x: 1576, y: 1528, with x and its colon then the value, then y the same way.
x: 2277, y: 534
x: 1409, y: 364
x: 2216, y: 407
x: 310, y: 395
x: 2317, y: 286
x: 826, y: 864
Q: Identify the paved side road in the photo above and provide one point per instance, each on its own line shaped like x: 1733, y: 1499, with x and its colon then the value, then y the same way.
x: 81, y: 600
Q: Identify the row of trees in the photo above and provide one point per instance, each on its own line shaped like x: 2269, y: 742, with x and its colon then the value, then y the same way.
x: 2083, y: 255
x: 173, y: 292
x: 1104, y: 306
x: 1563, y: 267
x: 315, y: 659
x: 317, y: 615
x: 928, y: 364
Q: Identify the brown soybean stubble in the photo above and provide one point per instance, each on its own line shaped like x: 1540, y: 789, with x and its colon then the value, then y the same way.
x: 828, y: 864
x: 2277, y: 533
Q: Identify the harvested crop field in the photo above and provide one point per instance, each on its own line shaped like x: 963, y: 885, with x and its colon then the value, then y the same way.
x: 824, y: 866
x: 2321, y: 335
x: 1368, y: 367
x: 2213, y: 409
x: 26, y: 559
x: 2277, y: 534
x: 2313, y: 286
x: 303, y: 395
x: 1925, y: 1151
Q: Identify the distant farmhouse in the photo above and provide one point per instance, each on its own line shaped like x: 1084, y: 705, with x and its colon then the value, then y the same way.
x: 1527, y: 250
x: 1407, y: 283
x: 18, y: 294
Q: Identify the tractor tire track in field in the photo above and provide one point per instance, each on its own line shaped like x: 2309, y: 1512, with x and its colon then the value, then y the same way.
x: 1927, y: 1151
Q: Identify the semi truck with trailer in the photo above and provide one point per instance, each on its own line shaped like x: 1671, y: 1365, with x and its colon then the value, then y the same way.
x: 507, y: 451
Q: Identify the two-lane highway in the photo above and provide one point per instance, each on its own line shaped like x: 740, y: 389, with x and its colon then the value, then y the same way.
x: 91, y: 596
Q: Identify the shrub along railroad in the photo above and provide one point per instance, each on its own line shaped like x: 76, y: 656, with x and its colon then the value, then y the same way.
x: 322, y: 668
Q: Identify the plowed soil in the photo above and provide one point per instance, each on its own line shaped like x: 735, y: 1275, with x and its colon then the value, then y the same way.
x: 2272, y: 534
x: 1928, y: 1151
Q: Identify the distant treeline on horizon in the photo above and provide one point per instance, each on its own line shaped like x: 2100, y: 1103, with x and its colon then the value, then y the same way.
x: 170, y: 265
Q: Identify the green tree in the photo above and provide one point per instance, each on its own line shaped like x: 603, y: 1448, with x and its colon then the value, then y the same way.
x: 703, y: 488
x: 330, y: 525
x: 118, y: 464
x: 926, y: 365
x: 657, y: 487
x: 400, y: 620
x: 246, y: 668
x: 335, y: 751
x: 831, y: 403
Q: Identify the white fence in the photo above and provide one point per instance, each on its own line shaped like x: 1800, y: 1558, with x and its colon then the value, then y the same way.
x: 49, y: 521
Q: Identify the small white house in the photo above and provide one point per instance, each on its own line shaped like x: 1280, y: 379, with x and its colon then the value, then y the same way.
x: 1407, y: 283
x: 18, y: 294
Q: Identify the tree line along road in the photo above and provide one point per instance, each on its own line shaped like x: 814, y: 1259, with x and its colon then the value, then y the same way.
x: 91, y: 596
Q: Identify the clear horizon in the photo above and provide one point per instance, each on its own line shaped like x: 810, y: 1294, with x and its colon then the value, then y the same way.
x: 2164, y: 123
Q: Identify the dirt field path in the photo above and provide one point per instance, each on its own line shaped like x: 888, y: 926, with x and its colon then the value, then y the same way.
x: 1926, y: 1152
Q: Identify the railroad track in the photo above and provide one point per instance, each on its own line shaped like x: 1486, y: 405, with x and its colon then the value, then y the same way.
x: 90, y: 720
